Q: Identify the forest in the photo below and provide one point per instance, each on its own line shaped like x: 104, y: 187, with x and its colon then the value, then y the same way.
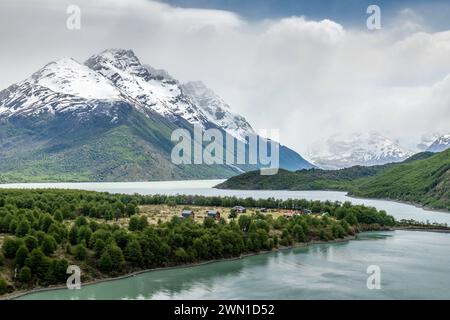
x: 42, y: 232
x: 422, y: 179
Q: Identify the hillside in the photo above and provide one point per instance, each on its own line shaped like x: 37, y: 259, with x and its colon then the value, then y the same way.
x: 111, y: 119
x: 422, y: 179
x: 426, y: 182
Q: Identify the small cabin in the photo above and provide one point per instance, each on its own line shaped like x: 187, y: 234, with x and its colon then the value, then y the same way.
x: 240, y: 209
x: 187, y: 214
x: 215, y: 214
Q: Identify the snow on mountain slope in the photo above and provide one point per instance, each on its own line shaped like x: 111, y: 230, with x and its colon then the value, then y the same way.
x: 442, y: 143
x: 427, y: 140
x: 107, y: 87
x: 60, y: 86
x: 70, y: 77
x: 117, y: 75
x: 216, y: 110
x: 150, y: 92
x: 366, y: 149
x: 155, y: 90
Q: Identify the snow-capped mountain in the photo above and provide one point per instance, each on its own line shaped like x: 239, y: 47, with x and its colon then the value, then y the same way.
x: 61, y: 86
x: 442, y: 143
x: 117, y: 75
x: 342, y: 151
x: 67, y: 104
x: 148, y: 92
x: 217, y: 110
x: 155, y: 90
x: 427, y: 140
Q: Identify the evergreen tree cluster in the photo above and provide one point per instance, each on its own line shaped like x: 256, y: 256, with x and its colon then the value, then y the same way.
x: 46, y: 230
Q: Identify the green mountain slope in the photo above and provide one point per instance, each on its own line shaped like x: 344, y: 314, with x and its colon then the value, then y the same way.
x: 426, y: 182
x: 422, y: 179
x: 135, y: 149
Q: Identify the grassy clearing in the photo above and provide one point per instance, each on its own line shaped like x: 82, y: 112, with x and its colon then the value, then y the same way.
x: 165, y: 213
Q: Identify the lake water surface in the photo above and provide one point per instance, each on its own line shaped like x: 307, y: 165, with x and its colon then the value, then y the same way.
x: 205, y: 187
x: 413, y: 265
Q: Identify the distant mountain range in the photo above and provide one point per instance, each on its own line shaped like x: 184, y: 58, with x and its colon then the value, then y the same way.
x: 364, y: 149
x: 434, y: 142
x: 111, y: 119
x: 441, y: 143
x: 421, y: 179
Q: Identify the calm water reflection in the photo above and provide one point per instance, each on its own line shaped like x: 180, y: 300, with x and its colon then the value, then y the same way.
x: 414, y: 265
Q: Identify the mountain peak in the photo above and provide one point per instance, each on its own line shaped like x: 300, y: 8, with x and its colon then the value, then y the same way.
x: 67, y: 76
x: 216, y: 109
x: 119, y: 54
x: 203, y: 95
x: 442, y: 143
x: 160, y: 74
x: 117, y: 61
x: 346, y: 150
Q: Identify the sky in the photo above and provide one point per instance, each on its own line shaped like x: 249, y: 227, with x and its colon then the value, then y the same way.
x: 311, y: 69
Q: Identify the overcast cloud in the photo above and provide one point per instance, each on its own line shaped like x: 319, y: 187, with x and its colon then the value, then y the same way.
x: 308, y: 78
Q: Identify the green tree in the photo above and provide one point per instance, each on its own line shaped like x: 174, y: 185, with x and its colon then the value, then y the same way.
x: 21, y: 256
x: 31, y: 242
x: 84, y: 233
x: 209, y: 222
x: 233, y: 214
x: 3, y: 286
x: 73, y: 235
x: 24, y: 275
x: 201, y: 247
x: 137, y: 223
x: 133, y: 253
x: 105, y: 262
x: 130, y: 209
x: 38, y: 263
x: 12, y: 226
x: 351, y: 219
x: 117, y: 258
x: 46, y: 222
x: 23, y: 228
x: 244, y: 222
x: 57, y: 271
x: 181, y: 255
x: 58, y: 216
x: 298, y: 233
x: 49, y: 245
x: 99, y: 246
x: 80, y: 251
x: 10, y: 247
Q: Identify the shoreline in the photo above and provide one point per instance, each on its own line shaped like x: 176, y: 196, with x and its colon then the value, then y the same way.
x: 18, y: 294
x: 347, y: 194
x: 417, y: 205
x: 421, y: 229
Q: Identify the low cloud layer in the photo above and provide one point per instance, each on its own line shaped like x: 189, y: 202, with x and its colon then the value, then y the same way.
x: 308, y: 78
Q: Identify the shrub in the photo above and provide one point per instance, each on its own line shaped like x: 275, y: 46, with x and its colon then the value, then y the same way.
x: 10, y: 247
x: 24, y: 275
x: 3, y: 286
